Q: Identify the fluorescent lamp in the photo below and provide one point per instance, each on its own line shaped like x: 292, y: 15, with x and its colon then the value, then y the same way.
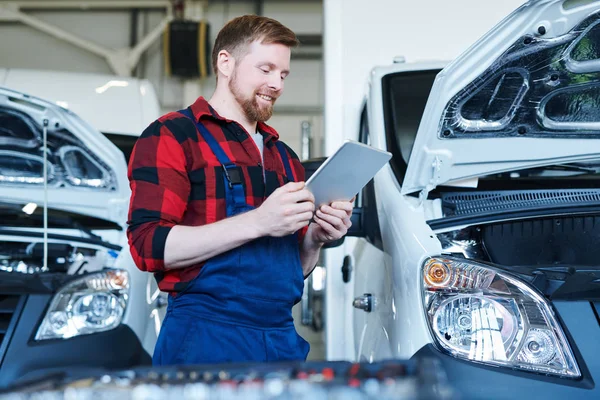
x: 109, y: 84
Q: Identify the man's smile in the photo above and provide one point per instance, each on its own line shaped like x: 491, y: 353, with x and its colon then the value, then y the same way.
x: 265, y: 97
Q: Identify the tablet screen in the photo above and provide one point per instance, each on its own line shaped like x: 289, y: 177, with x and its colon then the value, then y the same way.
x: 346, y: 172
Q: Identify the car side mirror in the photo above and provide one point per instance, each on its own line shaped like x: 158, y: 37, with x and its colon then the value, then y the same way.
x: 357, y: 228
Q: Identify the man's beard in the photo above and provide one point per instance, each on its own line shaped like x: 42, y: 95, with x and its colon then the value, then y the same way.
x: 253, y: 111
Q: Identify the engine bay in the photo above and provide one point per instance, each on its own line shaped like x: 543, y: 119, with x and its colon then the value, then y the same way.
x: 26, y: 256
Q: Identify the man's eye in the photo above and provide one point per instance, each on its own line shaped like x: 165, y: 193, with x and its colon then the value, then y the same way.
x: 265, y: 70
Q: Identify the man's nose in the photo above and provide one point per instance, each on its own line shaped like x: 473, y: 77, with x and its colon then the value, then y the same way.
x: 275, y: 82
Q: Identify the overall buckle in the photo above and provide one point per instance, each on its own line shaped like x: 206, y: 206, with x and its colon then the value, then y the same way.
x: 233, y: 174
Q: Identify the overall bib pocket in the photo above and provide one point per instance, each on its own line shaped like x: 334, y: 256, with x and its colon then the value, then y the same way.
x: 267, y: 272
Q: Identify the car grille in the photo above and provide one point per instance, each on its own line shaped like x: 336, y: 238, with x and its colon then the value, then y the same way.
x: 500, y: 201
x: 8, y: 308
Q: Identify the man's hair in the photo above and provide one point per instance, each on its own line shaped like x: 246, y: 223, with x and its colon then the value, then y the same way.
x: 237, y: 35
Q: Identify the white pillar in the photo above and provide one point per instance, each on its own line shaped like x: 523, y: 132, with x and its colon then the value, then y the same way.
x: 338, y: 329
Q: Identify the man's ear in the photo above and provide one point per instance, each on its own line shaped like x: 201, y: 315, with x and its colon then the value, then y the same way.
x: 225, y: 63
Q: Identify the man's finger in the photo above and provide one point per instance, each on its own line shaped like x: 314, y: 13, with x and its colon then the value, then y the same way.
x: 303, y: 207
x: 300, y: 195
x: 335, y: 212
x: 347, y: 223
x: 293, y: 186
x: 342, y: 205
x: 327, y: 227
x: 334, y: 220
x: 304, y: 217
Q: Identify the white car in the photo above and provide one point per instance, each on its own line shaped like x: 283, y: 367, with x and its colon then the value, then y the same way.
x: 479, y: 243
x: 121, y: 108
x: 88, y: 305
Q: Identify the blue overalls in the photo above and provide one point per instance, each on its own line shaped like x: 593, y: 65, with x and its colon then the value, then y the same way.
x: 239, y: 307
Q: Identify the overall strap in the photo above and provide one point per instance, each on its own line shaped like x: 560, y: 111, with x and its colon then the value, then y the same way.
x: 286, y: 160
x: 232, y: 173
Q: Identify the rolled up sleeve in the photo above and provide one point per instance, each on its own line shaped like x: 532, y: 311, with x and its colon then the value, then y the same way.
x: 160, y: 188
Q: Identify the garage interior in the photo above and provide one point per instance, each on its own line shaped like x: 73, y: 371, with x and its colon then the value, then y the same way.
x: 112, y: 67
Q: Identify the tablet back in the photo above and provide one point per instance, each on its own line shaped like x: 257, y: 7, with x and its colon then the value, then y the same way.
x: 346, y: 172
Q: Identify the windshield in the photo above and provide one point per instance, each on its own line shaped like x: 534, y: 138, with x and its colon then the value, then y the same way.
x: 404, y: 98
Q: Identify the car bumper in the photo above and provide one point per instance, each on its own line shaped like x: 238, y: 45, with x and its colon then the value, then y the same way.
x: 476, y: 381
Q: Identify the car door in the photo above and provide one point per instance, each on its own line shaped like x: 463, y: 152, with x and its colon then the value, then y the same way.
x: 370, y: 275
x: 390, y: 118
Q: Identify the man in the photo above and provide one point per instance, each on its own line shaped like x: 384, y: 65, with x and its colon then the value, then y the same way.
x: 220, y: 215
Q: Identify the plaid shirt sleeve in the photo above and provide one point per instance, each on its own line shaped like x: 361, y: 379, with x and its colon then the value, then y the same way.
x: 160, y: 189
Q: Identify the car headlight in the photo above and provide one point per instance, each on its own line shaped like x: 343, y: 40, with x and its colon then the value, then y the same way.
x: 482, y: 314
x: 90, y: 304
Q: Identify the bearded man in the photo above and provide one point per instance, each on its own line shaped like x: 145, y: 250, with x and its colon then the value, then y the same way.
x: 220, y: 215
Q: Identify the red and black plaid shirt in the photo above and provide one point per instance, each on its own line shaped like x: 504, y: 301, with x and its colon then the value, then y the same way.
x: 177, y: 180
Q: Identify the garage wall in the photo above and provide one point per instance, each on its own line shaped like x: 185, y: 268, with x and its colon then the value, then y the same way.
x: 25, y: 47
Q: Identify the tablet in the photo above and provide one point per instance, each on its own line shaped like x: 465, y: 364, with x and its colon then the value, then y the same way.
x: 346, y: 172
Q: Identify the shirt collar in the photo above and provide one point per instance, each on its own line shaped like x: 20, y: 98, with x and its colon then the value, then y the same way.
x: 201, y: 109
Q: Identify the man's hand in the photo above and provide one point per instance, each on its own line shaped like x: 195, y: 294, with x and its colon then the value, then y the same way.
x: 286, y: 210
x: 331, y: 222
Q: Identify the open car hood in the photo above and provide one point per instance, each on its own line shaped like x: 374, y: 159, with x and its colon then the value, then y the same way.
x: 527, y: 94
x: 87, y: 174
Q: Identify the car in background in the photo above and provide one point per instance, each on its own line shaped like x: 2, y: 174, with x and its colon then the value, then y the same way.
x: 478, y: 244
x: 70, y: 293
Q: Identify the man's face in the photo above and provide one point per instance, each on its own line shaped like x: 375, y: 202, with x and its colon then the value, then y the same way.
x: 257, y: 80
